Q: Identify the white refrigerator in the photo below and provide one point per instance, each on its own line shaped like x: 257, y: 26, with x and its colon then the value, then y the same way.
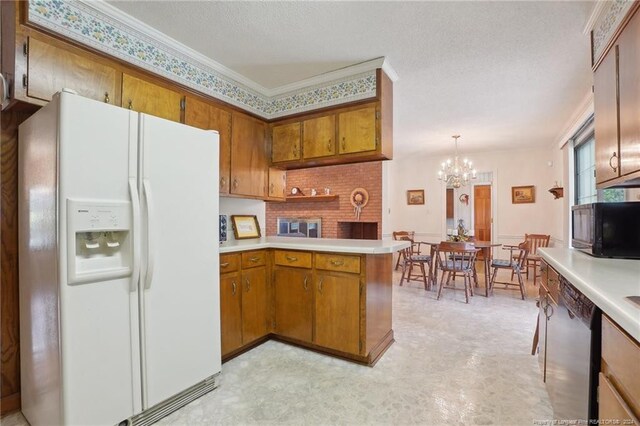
x: 118, y: 253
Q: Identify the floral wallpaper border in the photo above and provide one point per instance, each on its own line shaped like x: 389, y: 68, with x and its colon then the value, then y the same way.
x: 608, y: 24
x: 93, y: 28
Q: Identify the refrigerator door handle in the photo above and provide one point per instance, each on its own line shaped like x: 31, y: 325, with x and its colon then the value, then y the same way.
x: 135, y: 204
x: 146, y: 189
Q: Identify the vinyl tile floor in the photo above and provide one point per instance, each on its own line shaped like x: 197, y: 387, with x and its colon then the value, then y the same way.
x: 451, y: 364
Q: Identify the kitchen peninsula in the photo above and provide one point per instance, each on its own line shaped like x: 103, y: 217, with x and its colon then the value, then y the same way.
x: 329, y: 295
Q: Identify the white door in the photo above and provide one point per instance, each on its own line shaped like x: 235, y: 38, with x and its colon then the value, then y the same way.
x: 180, y: 297
x: 99, y: 319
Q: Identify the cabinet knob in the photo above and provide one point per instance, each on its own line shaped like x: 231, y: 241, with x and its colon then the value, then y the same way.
x: 234, y: 286
x: 329, y: 147
x: 305, y: 284
x: 615, y: 168
x: 271, y: 188
x: 344, y: 144
x: 295, y: 150
x: 320, y: 285
x: 235, y: 183
x: 106, y: 98
x: 248, y: 284
x: 223, y: 181
x: 130, y: 104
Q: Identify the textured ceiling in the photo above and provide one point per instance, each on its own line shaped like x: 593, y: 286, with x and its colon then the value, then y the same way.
x: 501, y: 74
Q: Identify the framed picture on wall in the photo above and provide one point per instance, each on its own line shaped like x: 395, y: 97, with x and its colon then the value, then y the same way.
x: 415, y: 196
x: 245, y: 227
x: 523, y: 194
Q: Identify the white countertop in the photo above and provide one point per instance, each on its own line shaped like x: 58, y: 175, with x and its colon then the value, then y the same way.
x: 606, y: 282
x: 316, y: 244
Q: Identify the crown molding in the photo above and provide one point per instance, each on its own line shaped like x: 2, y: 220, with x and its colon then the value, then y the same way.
x: 597, y: 12
x: 103, y: 27
x: 578, y: 118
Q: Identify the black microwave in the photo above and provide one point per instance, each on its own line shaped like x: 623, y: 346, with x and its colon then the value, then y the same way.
x: 607, y: 229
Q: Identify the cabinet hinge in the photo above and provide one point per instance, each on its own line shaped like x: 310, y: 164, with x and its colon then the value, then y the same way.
x: 25, y: 81
x: 183, y: 104
x: 377, y: 115
x: 377, y: 141
x: 361, y: 288
x: 25, y: 49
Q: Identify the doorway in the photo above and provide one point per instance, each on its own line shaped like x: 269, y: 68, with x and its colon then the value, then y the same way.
x: 482, y: 212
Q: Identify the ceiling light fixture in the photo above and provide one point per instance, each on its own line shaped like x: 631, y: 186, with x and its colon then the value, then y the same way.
x: 454, y: 173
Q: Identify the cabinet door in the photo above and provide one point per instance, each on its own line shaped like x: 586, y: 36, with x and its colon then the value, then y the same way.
x: 277, y: 183
x: 606, y: 118
x: 337, y: 313
x: 51, y: 68
x: 318, y: 137
x: 629, y: 80
x: 357, y: 130
x: 142, y: 96
x: 293, y: 303
x: 254, y: 304
x: 249, y: 164
x: 230, y: 312
x: 205, y: 116
x: 285, y: 144
x: 612, y: 406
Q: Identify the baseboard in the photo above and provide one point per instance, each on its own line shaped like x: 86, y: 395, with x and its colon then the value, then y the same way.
x: 10, y: 403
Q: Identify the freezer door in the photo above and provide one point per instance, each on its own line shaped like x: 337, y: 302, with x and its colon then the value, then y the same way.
x: 180, y: 297
x: 98, y: 316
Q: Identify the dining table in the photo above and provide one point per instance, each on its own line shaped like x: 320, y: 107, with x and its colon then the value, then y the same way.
x: 485, y: 248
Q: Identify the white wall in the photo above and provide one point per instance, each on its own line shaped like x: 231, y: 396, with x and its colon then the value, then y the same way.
x: 509, y: 168
x: 240, y: 206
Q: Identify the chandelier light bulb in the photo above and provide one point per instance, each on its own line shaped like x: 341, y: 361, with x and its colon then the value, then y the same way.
x: 466, y: 161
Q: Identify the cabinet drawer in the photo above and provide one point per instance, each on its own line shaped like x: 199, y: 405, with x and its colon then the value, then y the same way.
x: 611, y: 406
x: 229, y: 262
x: 251, y: 259
x: 621, y: 354
x: 337, y: 262
x: 299, y: 259
x: 552, y: 281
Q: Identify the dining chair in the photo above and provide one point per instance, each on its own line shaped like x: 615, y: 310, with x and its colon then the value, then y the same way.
x: 459, y: 259
x: 397, y: 235
x: 533, y: 259
x: 412, y: 258
x: 516, y: 263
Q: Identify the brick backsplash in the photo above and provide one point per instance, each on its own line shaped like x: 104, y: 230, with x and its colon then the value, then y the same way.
x: 342, y: 180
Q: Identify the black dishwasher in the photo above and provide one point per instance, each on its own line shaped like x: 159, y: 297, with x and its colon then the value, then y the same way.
x: 573, y: 354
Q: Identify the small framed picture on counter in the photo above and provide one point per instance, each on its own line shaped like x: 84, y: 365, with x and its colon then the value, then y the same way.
x: 245, y: 227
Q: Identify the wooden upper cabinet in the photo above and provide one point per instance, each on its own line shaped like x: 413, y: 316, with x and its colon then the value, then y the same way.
x: 277, y: 183
x: 50, y: 69
x: 629, y: 92
x: 606, y: 118
x: 318, y: 137
x: 142, y: 96
x: 206, y: 116
x: 337, y: 312
x: 293, y: 303
x: 285, y: 144
x: 249, y: 160
x: 357, y: 130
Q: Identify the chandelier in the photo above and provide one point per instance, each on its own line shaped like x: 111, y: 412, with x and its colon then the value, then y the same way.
x: 454, y: 173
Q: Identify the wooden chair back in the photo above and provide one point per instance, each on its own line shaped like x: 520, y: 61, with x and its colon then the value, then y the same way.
x: 397, y: 235
x: 456, y: 256
x: 521, y: 259
x: 409, y: 250
x: 536, y: 241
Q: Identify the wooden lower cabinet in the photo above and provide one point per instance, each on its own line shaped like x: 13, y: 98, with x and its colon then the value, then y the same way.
x: 337, y: 312
x: 255, y: 304
x: 230, y: 312
x: 619, y: 379
x: 293, y: 303
x: 307, y: 299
